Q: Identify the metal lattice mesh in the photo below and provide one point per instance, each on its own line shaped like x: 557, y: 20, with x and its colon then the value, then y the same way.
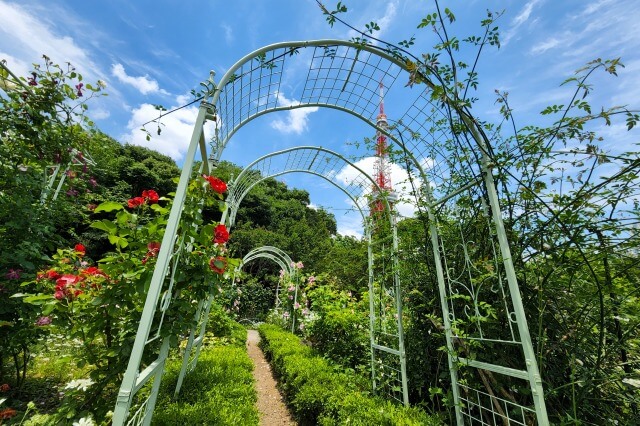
x: 347, y: 77
x: 312, y: 160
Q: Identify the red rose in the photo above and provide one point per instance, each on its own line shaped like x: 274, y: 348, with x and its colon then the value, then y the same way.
x: 216, y: 184
x: 59, y: 295
x: 92, y: 270
x: 221, y: 234
x: 153, y: 247
x: 80, y: 249
x: 218, y: 264
x: 67, y: 279
x: 135, y: 202
x: 150, y: 195
x: 7, y: 413
x: 52, y: 274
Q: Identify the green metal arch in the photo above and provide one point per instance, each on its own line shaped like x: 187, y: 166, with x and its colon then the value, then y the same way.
x: 214, y: 95
x: 236, y: 200
x: 378, y: 349
x: 414, y: 137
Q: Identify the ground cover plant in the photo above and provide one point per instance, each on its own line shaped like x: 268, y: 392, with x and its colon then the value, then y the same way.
x: 221, y: 389
x: 320, y: 392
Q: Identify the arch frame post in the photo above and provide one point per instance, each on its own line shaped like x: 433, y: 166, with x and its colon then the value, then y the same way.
x: 134, y: 379
x: 244, y: 183
x: 534, y: 378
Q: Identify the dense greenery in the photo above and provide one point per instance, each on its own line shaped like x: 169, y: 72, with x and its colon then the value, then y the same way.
x: 570, y: 210
x: 223, y: 362
x: 320, y: 393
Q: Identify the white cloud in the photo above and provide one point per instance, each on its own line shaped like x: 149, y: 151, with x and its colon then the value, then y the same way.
x: 17, y: 66
x: 545, y: 45
x: 387, y: 18
x: 296, y: 119
x: 99, y: 114
x: 350, y: 225
x: 28, y: 38
x: 228, y: 32
x: 176, y: 130
x: 143, y: 84
x: 399, y: 181
x: 524, y: 14
x: 384, y: 22
x: 520, y: 19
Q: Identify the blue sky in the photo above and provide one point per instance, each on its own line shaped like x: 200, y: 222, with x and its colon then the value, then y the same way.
x: 155, y: 52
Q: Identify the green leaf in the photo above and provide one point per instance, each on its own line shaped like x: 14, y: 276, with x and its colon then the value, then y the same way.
x: 118, y: 241
x: 105, y: 225
x: 108, y: 206
x: 38, y: 299
x: 48, y: 308
x: 158, y: 208
x: 122, y: 217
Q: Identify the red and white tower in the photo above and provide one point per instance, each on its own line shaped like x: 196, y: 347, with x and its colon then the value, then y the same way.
x: 381, y: 167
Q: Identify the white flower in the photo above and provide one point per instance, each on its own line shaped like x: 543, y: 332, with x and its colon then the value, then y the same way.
x: 632, y: 382
x: 81, y: 384
x: 85, y: 421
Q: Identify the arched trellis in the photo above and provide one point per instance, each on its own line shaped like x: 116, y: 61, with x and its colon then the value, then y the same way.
x: 197, y: 333
x: 287, y: 267
x: 388, y: 360
x: 458, y: 187
x: 276, y: 255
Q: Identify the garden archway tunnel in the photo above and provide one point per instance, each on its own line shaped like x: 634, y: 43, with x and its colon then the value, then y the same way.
x: 385, y: 304
x: 276, y: 255
x: 457, y: 179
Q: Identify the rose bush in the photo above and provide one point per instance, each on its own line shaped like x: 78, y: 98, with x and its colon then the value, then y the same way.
x: 99, y: 303
x: 44, y: 131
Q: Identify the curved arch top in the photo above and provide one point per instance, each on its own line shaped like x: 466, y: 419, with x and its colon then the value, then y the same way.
x: 318, y: 161
x: 341, y: 75
x: 277, y: 255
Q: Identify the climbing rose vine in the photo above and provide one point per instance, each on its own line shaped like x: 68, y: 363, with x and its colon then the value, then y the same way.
x: 99, y: 303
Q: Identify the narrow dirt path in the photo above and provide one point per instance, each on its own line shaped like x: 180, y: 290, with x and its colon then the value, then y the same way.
x: 272, y: 410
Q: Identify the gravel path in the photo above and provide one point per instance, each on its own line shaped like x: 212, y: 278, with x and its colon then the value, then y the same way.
x: 272, y: 410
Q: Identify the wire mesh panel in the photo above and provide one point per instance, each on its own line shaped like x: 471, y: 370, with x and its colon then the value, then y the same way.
x: 387, y: 339
x: 493, y: 374
x: 439, y: 145
x: 387, y: 349
x: 317, y: 161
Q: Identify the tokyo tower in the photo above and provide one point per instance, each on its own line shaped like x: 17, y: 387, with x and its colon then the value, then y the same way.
x: 382, y: 173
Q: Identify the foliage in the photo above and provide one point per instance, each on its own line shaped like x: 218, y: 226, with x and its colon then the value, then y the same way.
x: 44, y: 128
x: 346, y: 260
x: 100, y: 306
x: 321, y: 394
x: 339, y: 325
x: 570, y: 211
x: 221, y: 329
x: 220, y: 391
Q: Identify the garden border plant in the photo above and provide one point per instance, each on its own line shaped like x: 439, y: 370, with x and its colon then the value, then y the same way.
x: 325, y: 394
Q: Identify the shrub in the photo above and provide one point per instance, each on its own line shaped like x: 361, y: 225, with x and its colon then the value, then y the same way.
x: 340, y: 324
x: 220, y: 391
x: 319, y: 393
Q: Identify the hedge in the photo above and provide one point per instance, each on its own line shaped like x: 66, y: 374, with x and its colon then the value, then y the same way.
x: 320, y: 393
